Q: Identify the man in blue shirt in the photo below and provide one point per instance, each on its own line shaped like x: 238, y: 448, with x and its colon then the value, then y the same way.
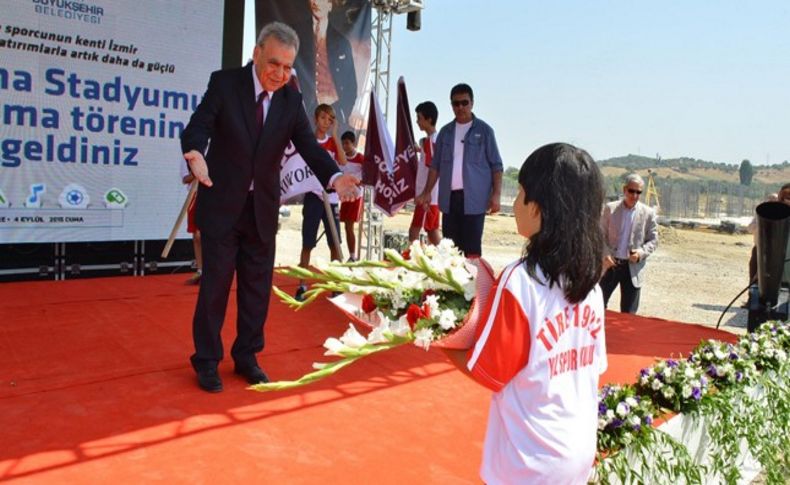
x: 469, y: 170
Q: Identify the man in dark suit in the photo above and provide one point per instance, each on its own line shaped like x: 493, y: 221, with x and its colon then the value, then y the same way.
x: 248, y: 115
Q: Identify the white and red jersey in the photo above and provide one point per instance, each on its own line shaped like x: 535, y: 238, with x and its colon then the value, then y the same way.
x: 354, y: 165
x: 542, y: 356
x: 424, y: 166
x: 328, y: 144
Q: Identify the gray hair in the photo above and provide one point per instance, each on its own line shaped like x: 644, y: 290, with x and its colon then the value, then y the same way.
x: 632, y: 177
x: 281, y: 32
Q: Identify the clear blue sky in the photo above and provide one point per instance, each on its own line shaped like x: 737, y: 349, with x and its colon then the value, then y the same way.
x: 705, y: 79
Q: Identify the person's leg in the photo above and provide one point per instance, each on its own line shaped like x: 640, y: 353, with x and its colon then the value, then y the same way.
x: 351, y: 239
x: 431, y: 225
x: 213, y: 299
x: 198, y: 251
x: 753, y: 266
x: 629, y: 294
x: 254, y: 264
x: 334, y: 253
x: 417, y: 220
x: 452, y: 222
x: 473, y: 235
x: 312, y: 208
x: 608, y: 284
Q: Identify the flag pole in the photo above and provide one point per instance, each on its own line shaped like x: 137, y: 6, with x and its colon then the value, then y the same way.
x: 180, y: 219
x: 330, y: 216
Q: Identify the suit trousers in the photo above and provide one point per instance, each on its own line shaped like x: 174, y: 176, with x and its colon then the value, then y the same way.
x: 620, y: 274
x: 242, y: 252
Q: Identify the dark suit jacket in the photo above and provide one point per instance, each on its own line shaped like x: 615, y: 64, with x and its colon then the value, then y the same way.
x: 226, y: 118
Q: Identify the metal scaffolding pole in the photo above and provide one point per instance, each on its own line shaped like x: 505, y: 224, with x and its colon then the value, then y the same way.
x: 371, y: 229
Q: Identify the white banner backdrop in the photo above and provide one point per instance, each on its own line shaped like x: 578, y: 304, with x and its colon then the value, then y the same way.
x: 93, y: 97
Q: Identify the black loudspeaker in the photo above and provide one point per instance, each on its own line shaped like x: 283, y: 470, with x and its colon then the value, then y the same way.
x: 768, y: 300
x: 773, y: 230
x: 414, y: 20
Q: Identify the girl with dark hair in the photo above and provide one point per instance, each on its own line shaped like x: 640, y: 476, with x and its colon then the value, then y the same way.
x: 540, y: 345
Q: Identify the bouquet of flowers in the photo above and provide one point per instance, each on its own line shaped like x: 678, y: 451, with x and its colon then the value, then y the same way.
x: 768, y: 345
x: 677, y: 385
x: 623, y: 416
x: 434, y: 298
x: 723, y: 362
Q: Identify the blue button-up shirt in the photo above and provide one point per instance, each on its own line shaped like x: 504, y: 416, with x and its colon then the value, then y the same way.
x: 481, y: 162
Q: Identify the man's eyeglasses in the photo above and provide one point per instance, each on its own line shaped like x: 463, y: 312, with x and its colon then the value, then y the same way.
x: 634, y: 191
x: 460, y: 102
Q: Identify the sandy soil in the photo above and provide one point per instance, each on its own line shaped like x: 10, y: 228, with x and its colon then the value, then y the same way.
x: 691, y: 277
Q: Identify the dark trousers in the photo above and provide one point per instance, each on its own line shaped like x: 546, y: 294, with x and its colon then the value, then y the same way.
x: 629, y: 294
x: 244, y: 253
x: 465, y: 230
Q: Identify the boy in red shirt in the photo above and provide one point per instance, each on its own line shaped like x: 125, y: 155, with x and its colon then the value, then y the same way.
x: 313, y: 211
x: 427, y: 219
x: 351, y: 212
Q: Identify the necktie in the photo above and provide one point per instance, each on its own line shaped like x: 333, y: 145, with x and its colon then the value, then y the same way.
x: 259, y: 110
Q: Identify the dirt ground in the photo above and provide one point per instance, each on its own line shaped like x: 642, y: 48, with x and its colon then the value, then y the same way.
x: 692, y: 276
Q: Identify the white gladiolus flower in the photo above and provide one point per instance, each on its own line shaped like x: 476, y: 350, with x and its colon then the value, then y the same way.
x: 376, y: 336
x: 447, y: 319
x: 609, y: 414
x: 400, y: 328
x: 656, y: 385
x: 631, y: 402
x: 634, y: 420
x: 689, y: 372
x: 686, y: 391
x: 334, y: 346
x: 423, y: 338
x: 602, y: 423
x: 668, y: 392
x: 352, y: 338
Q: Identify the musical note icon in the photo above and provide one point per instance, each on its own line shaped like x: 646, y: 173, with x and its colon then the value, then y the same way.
x: 34, y: 201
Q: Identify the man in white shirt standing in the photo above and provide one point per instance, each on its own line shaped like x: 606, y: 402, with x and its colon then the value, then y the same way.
x: 467, y: 159
x: 631, y: 236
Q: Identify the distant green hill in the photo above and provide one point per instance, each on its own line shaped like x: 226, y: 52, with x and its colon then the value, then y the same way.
x: 689, y: 187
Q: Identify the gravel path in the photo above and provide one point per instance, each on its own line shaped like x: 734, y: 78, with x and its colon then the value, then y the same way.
x: 690, y: 278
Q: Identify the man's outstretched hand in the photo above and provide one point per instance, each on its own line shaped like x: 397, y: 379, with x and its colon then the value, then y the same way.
x: 198, y: 167
x: 346, y: 187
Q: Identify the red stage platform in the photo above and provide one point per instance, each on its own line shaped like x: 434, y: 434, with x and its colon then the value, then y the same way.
x: 96, y: 387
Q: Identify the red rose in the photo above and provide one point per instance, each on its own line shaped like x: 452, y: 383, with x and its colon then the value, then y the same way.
x: 413, y: 313
x: 426, y: 310
x: 406, y: 254
x: 368, y: 304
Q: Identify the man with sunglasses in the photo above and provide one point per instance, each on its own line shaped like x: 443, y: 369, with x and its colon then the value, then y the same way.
x: 631, y: 236
x: 467, y: 158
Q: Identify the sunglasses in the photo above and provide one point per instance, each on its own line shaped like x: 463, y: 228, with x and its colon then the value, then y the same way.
x: 461, y: 102
x: 634, y: 191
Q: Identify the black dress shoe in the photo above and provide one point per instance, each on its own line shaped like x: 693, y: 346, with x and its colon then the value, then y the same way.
x: 253, y: 375
x: 209, y: 380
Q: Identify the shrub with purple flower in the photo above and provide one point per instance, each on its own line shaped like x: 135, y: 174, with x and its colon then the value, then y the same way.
x: 677, y: 385
x: 623, y: 416
x: 766, y: 346
x: 724, y: 363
